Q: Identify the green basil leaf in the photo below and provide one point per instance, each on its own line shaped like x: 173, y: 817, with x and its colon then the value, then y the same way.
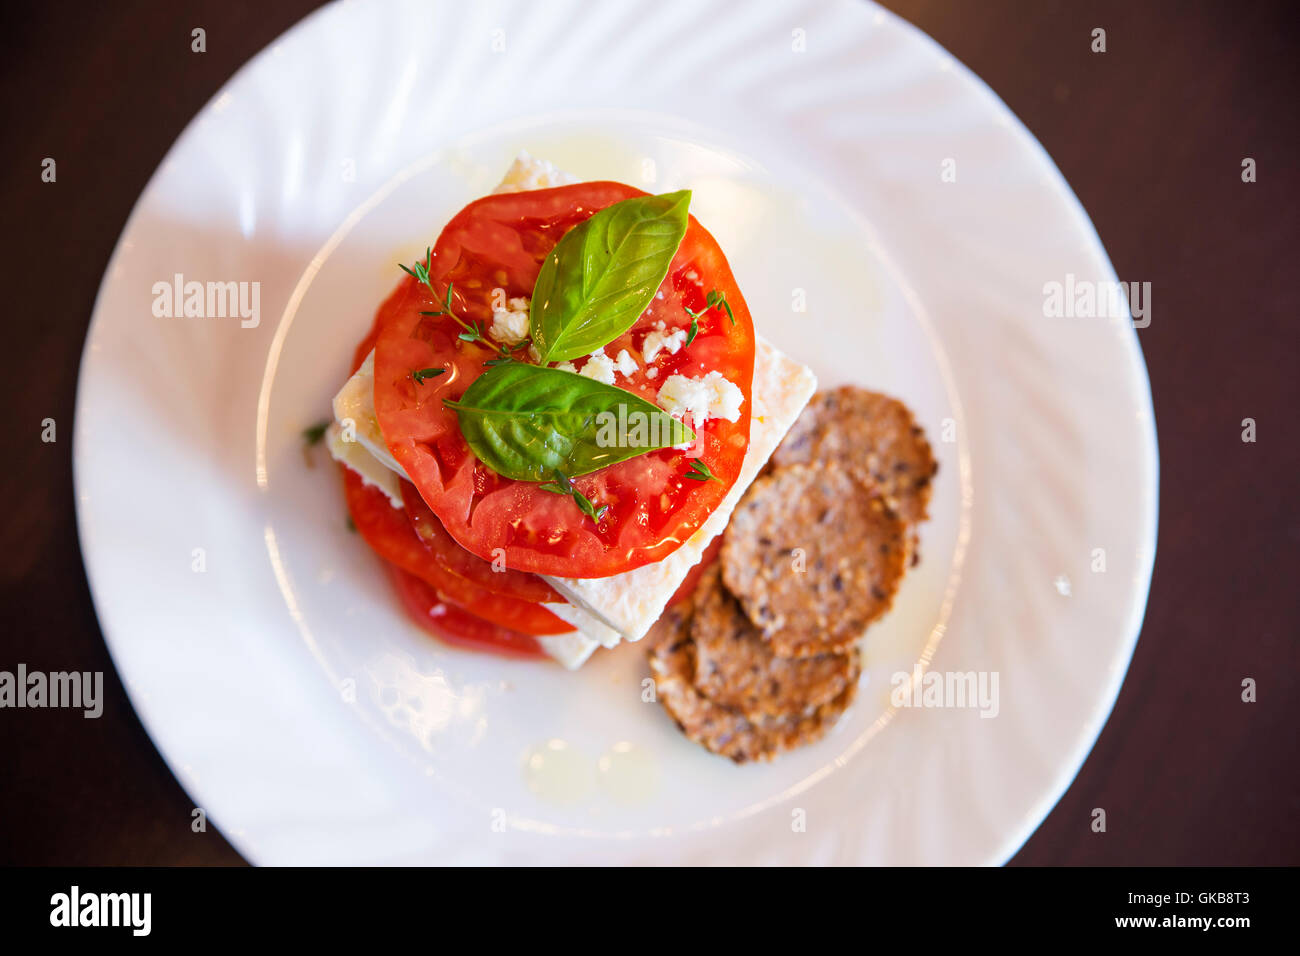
x: 603, y: 273
x: 528, y: 422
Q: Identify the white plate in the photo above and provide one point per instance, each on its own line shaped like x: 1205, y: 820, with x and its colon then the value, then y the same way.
x: 288, y: 693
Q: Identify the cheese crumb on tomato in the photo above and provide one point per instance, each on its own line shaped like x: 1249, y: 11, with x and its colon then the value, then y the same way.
x: 509, y: 325
x: 599, y: 367
x: 567, y: 367
x: 658, y: 341
x: 702, y: 398
x: 625, y: 364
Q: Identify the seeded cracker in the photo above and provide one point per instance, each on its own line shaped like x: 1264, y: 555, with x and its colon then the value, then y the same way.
x: 735, y: 666
x: 717, y: 728
x: 814, y: 555
x: 870, y: 433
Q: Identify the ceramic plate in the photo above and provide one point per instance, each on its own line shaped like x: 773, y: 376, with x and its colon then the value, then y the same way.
x: 890, y: 223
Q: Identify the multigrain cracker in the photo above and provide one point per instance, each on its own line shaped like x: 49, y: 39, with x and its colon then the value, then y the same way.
x: 735, y: 665
x: 872, y: 434
x: 717, y: 728
x: 814, y: 555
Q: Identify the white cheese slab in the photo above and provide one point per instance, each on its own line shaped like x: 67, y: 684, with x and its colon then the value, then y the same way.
x: 354, y: 411
x: 592, y: 628
x: 371, y: 469
x: 571, y: 650
x: 622, y: 606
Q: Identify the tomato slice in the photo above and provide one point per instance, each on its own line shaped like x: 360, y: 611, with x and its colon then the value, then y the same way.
x: 386, y: 308
x: 687, y: 587
x: 454, y: 625
x: 500, y: 242
x: 389, y: 534
x: 445, y: 550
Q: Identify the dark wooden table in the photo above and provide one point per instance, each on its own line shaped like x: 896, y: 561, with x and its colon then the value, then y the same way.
x: 1151, y: 134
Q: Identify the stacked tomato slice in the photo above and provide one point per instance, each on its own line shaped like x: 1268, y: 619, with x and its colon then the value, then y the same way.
x: 454, y: 595
x: 467, y: 549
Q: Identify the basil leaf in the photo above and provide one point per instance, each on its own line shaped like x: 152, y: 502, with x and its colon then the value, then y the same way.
x: 603, y: 273
x: 528, y: 422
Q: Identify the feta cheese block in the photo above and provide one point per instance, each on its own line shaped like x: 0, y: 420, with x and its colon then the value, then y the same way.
x: 623, y: 606
x: 629, y: 603
x: 354, y: 411
x: 571, y: 650
x: 590, y: 627
x: 371, y: 469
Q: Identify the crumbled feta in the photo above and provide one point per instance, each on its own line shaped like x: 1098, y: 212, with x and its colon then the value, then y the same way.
x: 566, y: 367
x: 527, y: 173
x: 599, y: 367
x: 699, y: 399
x: 660, y: 341
x: 509, y: 325
x: 652, y: 372
x: 625, y: 363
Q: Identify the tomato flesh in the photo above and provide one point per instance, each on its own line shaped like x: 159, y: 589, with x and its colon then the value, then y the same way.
x: 688, y: 585
x: 454, y: 625
x: 445, y: 550
x: 653, y: 508
x: 389, y: 534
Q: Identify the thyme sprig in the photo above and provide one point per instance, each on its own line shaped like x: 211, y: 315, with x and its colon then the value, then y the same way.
x: 700, y: 472
x: 420, y: 273
x: 565, y: 486
x: 712, y: 301
x: 421, y: 374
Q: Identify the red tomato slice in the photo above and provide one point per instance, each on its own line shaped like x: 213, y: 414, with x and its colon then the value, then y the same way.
x: 516, y: 584
x: 386, y: 308
x: 390, y: 535
x: 449, y: 623
x: 687, y: 587
x: 500, y: 242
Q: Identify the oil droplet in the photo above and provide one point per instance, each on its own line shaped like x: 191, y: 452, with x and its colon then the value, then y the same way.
x: 557, y: 773
x: 628, y: 774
